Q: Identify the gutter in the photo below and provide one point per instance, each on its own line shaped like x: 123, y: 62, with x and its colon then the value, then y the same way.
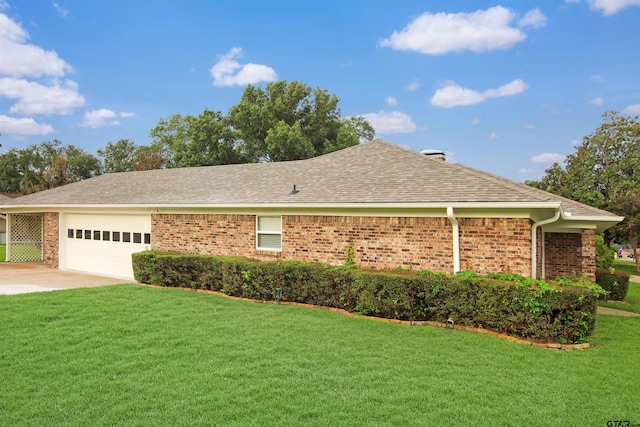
x: 534, y: 241
x: 456, y: 239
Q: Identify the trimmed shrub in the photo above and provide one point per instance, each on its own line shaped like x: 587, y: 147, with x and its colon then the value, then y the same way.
x: 616, y: 283
x: 505, y: 303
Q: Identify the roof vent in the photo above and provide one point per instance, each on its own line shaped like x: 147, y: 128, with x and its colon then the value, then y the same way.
x: 436, y: 154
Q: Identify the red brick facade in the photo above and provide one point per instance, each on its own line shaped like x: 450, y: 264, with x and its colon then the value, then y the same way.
x: 569, y: 253
x: 495, y: 245
x: 379, y: 242
x: 486, y: 244
x: 50, y: 239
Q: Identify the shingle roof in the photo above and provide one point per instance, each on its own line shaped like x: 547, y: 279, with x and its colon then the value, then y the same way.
x: 373, y: 172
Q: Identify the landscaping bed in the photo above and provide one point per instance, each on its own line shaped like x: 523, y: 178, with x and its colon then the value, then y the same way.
x: 508, y: 304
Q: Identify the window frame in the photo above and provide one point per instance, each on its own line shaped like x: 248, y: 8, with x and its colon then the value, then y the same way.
x: 260, y: 232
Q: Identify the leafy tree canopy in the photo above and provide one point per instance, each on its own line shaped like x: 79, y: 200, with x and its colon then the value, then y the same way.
x: 604, y: 173
x: 45, y: 165
x: 282, y: 121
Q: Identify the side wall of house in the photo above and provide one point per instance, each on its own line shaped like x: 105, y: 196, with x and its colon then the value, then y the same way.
x: 487, y: 245
x: 51, y: 239
x: 569, y: 253
x: 495, y: 245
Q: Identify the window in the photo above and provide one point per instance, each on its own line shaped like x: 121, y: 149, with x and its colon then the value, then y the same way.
x: 137, y: 238
x: 147, y: 238
x: 70, y: 233
x: 78, y: 234
x: 106, y: 235
x: 269, y: 233
x: 96, y: 235
x: 87, y: 234
x: 126, y: 237
x: 116, y: 236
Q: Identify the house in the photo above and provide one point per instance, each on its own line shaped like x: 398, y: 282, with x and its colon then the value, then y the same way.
x: 394, y: 206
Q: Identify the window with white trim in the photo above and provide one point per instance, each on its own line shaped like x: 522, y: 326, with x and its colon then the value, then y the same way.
x: 269, y: 233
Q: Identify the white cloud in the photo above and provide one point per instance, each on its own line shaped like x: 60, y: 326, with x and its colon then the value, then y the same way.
x: 475, y: 121
x: 35, y: 98
x: 548, y: 158
x: 575, y: 142
x: 390, y: 122
x: 529, y: 126
x: 632, y: 110
x: 24, y: 126
x: 61, y: 10
x: 492, y: 136
x: 453, y: 95
x: 102, y: 117
x: 480, y: 31
x: 571, y: 1
x: 534, y: 19
x: 4, y: 5
x: 413, y: 86
x: 19, y: 59
x: 597, y: 78
x: 611, y: 7
x: 391, y: 100
x: 597, y: 101
x: 228, y: 72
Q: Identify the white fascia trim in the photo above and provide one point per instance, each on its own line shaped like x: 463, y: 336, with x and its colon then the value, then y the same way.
x: 420, y: 205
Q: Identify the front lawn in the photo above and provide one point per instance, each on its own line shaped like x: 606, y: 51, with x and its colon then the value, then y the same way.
x: 134, y: 355
x: 3, y: 253
x: 627, y: 266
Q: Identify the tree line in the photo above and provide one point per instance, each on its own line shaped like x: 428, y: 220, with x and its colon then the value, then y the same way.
x: 282, y: 121
x: 604, y: 172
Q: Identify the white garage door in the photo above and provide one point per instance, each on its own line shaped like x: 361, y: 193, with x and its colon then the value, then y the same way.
x: 103, y: 244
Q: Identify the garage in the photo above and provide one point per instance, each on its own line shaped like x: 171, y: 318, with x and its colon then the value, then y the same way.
x: 103, y: 244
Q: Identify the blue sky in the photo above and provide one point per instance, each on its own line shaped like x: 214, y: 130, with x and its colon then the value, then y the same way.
x: 506, y: 87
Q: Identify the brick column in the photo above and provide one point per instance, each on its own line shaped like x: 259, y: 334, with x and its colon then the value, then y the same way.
x: 588, y: 254
x: 51, y: 239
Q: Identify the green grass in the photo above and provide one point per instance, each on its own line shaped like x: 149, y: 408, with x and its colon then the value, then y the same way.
x: 3, y: 253
x: 628, y: 267
x: 131, y: 355
x: 632, y: 300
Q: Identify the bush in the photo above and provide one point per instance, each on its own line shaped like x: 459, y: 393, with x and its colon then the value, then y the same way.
x: 505, y: 303
x: 616, y: 283
x: 604, y: 254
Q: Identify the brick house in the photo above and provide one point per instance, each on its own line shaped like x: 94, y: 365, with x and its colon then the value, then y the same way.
x: 396, y: 207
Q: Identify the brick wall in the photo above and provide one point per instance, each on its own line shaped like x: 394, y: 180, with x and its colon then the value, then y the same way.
x: 495, y: 245
x: 231, y: 235
x: 51, y: 239
x: 379, y: 242
x: 487, y: 245
x: 569, y: 253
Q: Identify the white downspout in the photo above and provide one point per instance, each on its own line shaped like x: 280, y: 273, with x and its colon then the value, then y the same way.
x: 534, y: 241
x: 8, y: 251
x: 456, y: 240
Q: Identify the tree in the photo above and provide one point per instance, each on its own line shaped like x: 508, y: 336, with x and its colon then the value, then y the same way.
x: 291, y: 121
x: 627, y: 203
x: 46, y: 165
x: 604, y: 164
x: 604, y: 167
x: 118, y: 157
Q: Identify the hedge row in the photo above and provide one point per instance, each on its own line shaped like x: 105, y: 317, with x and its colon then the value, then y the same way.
x: 541, y: 313
x: 616, y: 283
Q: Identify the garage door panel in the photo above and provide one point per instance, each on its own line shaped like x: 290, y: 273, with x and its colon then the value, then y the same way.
x: 103, y: 244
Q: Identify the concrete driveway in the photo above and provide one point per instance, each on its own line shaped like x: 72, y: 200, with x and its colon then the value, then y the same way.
x: 24, y: 277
